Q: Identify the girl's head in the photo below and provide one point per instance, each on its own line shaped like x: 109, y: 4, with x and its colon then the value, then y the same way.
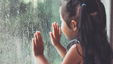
x: 74, y: 13
x: 86, y: 20
x: 69, y: 33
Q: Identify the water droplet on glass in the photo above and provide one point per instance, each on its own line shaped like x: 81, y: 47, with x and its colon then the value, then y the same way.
x: 18, y: 12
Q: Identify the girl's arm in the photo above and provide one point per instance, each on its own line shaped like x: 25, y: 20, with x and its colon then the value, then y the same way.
x: 38, y: 48
x: 72, y: 56
x: 61, y: 50
x: 42, y: 60
x: 55, y: 37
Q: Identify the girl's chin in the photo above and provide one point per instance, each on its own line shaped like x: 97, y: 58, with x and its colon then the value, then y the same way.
x: 68, y: 38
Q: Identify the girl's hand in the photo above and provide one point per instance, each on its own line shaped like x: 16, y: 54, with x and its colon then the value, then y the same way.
x: 38, y: 46
x: 55, y: 36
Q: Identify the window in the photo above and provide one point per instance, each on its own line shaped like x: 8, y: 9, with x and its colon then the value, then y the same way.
x: 19, y: 20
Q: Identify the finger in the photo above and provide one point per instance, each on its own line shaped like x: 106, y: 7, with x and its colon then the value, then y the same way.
x: 53, y: 29
x: 59, y: 31
x: 40, y: 38
x: 33, y: 43
x: 55, y: 24
x: 57, y: 28
x: 39, y: 35
x: 36, y: 39
x: 52, y: 37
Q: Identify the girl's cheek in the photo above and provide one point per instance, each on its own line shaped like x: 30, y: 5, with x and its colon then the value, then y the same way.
x: 61, y: 25
x: 62, y: 28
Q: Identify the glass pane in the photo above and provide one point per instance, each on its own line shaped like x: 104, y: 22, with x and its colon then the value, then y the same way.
x: 19, y: 20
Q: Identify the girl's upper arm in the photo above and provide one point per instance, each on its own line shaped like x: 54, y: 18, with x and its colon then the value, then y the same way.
x: 72, y: 56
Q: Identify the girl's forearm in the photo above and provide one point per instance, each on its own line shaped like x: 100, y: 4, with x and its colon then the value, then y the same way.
x: 61, y: 50
x: 42, y: 60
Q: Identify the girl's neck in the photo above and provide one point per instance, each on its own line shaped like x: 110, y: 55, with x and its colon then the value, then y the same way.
x: 71, y: 38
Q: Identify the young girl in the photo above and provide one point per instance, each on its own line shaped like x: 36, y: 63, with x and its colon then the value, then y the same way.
x: 84, y: 24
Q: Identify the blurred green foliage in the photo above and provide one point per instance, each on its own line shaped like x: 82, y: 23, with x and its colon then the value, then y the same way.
x: 18, y: 23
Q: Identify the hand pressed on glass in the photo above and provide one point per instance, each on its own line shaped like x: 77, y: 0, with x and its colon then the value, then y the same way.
x: 55, y: 36
x: 38, y: 46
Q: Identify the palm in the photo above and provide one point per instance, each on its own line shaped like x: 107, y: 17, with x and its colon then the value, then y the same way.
x: 38, y: 45
x: 55, y: 36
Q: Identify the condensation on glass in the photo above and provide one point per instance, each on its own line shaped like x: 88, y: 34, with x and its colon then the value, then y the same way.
x: 19, y: 20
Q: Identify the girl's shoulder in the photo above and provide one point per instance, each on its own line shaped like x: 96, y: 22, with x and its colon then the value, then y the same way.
x: 72, y: 56
x: 77, y: 49
x: 71, y: 43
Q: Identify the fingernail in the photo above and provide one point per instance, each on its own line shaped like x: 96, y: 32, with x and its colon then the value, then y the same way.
x: 38, y: 31
x: 34, y: 34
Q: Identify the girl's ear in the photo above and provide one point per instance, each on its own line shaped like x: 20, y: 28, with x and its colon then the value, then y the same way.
x: 73, y: 25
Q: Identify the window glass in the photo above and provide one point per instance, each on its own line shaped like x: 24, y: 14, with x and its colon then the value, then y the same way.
x: 19, y: 20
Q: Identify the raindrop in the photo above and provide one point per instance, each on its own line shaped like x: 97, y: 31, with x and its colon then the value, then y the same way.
x: 17, y: 17
x: 0, y: 51
x: 7, y: 15
x: 18, y: 12
x: 26, y: 8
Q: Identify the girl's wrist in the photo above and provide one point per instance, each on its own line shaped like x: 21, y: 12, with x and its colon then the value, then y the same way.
x: 58, y: 46
x: 39, y: 56
x: 41, y: 59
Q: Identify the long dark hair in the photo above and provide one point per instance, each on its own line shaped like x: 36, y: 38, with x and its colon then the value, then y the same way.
x: 91, y: 23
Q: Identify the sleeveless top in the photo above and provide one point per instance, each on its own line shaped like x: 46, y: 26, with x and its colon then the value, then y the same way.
x: 72, y: 42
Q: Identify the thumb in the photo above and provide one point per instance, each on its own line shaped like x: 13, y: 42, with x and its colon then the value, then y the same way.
x: 52, y: 37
